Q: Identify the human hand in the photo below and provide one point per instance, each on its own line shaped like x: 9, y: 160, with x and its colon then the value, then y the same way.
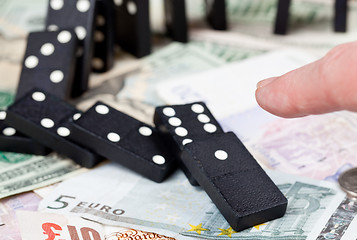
x: 329, y: 84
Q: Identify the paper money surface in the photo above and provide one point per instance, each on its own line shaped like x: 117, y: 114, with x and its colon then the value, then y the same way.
x: 36, y: 225
x: 310, y: 22
x: 230, y: 89
x: 119, y: 197
x: 9, y: 229
x: 319, y: 146
x: 18, y: 17
x: 38, y: 171
x: 174, y: 60
x: 54, y: 226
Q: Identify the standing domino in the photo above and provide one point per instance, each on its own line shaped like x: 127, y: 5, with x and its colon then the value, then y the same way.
x: 182, y: 124
x: 216, y: 14
x: 132, y: 22
x: 103, y: 58
x: 282, y: 17
x: 45, y: 118
x: 49, y: 63
x: 237, y: 185
x: 176, y: 20
x: 80, y: 16
x: 125, y: 140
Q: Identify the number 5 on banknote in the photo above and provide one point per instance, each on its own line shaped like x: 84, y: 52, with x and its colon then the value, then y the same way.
x: 64, y: 204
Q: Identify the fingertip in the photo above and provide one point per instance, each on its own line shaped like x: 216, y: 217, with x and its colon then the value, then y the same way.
x: 265, y: 82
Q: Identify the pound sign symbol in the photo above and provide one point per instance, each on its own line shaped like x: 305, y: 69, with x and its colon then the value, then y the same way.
x: 48, y: 230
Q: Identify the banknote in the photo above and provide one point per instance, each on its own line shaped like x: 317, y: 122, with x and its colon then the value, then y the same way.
x: 230, y: 89
x: 11, y: 54
x: 54, y: 226
x: 173, y: 60
x: 319, y: 146
x: 38, y: 171
x: 19, y: 17
x: 9, y: 229
x: 310, y: 22
x: 126, y: 199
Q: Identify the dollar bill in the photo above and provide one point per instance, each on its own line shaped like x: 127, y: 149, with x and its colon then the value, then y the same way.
x: 38, y: 171
x: 19, y: 17
x: 310, y: 22
x: 119, y: 197
x: 9, y: 229
x: 174, y: 60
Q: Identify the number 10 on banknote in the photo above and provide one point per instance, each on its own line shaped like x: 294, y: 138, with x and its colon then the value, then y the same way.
x: 48, y: 226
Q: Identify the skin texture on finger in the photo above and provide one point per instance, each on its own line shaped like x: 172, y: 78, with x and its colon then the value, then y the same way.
x: 326, y: 85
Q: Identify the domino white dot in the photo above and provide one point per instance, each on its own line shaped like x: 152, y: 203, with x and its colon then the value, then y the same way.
x: 99, y: 36
x: 131, y: 6
x: 97, y: 63
x: 158, y: 159
x: 81, y: 32
x: 38, y: 96
x: 31, y: 61
x: 118, y: 2
x: 47, y: 49
x: 203, y: 118
x: 56, y: 4
x: 47, y: 123
x: 63, y: 131
x: 101, y: 109
x: 9, y: 131
x: 145, y: 131
x: 180, y: 131
x: 185, y: 141
x: 76, y: 116
x: 2, y: 115
x: 100, y: 20
x: 64, y: 37
x: 197, y: 108
x: 174, y: 121
x: 113, y: 137
x: 56, y: 76
x: 209, y: 127
x: 52, y: 28
x: 221, y: 155
x: 168, y: 111
x: 83, y: 5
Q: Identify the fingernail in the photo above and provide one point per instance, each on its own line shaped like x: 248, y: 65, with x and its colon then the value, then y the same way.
x: 265, y: 82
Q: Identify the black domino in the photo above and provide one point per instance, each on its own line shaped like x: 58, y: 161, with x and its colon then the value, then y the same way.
x: 45, y: 118
x: 49, y: 63
x: 125, y: 140
x: 340, y: 21
x: 216, y: 14
x: 13, y: 141
x: 237, y: 185
x: 80, y: 16
x: 132, y: 30
x: 103, y: 58
x: 176, y: 20
x: 282, y: 17
x: 181, y: 124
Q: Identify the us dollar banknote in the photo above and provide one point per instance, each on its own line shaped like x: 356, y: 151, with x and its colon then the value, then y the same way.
x: 122, y: 198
